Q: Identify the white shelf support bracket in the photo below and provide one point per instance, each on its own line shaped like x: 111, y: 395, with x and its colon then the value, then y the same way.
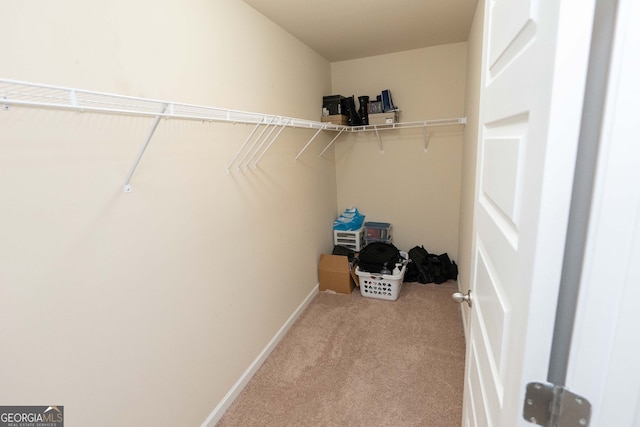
x: 308, y: 144
x: 379, y: 140
x: 284, y: 125
x: 251, y: 153
x: 244, y: 144
x: 427, y: 137
x: 331, y: 143
x: 154, y: 126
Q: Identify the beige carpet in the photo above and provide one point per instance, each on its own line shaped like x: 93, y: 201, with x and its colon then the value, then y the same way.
x: 355, y: 361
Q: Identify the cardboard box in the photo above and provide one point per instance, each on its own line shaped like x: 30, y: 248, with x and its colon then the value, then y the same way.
x: 336, y: 119
x: 388, y: 118
x: 335, y: 275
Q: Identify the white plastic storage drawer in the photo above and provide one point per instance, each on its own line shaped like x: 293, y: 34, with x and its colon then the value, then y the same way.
x: 349, y: 239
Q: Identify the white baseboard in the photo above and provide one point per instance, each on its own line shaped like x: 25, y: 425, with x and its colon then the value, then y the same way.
x: 244, y: 379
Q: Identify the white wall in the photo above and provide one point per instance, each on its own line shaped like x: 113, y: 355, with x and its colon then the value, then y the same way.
x: 418, y: 192
x: 145, y: 308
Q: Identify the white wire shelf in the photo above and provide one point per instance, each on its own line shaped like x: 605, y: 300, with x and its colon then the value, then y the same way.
x: 425, y: 124
x: 406, y: 125
x: 36, y: 95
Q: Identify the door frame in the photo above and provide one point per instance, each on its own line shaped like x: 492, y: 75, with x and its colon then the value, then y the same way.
x: 605, y: 346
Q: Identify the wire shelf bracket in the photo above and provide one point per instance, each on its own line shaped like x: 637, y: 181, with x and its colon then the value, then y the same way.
x: 154, y: 126
x: 427, y: 137
x: 244, y: 144
x: 379, y: 140
x: 255, y: 164
x: 331, y: 143
x: 308, y: 143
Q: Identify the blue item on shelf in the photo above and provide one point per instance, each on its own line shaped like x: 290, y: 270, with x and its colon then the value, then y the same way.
x: 349, y: 220
x: 387, y: 102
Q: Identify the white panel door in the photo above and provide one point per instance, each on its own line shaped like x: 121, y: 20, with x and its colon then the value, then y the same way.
x: 534, y: 67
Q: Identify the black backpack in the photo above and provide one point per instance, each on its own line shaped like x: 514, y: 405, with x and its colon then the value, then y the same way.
x: 376, y: 256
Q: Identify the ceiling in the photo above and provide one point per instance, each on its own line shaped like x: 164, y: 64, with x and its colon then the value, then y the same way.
x: 348, y: 29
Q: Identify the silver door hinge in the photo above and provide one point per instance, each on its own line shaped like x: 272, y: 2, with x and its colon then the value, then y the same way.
x: 550, y: 405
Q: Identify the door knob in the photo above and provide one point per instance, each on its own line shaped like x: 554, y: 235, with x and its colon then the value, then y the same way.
x: 459, y: 297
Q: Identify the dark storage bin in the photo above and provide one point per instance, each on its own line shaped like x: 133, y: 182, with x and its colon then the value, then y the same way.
x: 333, y: 105
x: 377, y: 230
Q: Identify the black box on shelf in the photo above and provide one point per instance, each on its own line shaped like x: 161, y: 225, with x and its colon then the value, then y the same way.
x: 374, y: 107
x: 332, y: 105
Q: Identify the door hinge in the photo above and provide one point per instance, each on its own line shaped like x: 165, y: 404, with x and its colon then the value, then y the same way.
x: 550, y: 405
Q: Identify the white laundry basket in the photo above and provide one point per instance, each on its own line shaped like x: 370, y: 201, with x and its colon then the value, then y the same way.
x: 382, y: 286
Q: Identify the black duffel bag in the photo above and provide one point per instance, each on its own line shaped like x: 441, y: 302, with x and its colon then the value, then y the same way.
x: 431, y: 268
x: 377, y: 256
